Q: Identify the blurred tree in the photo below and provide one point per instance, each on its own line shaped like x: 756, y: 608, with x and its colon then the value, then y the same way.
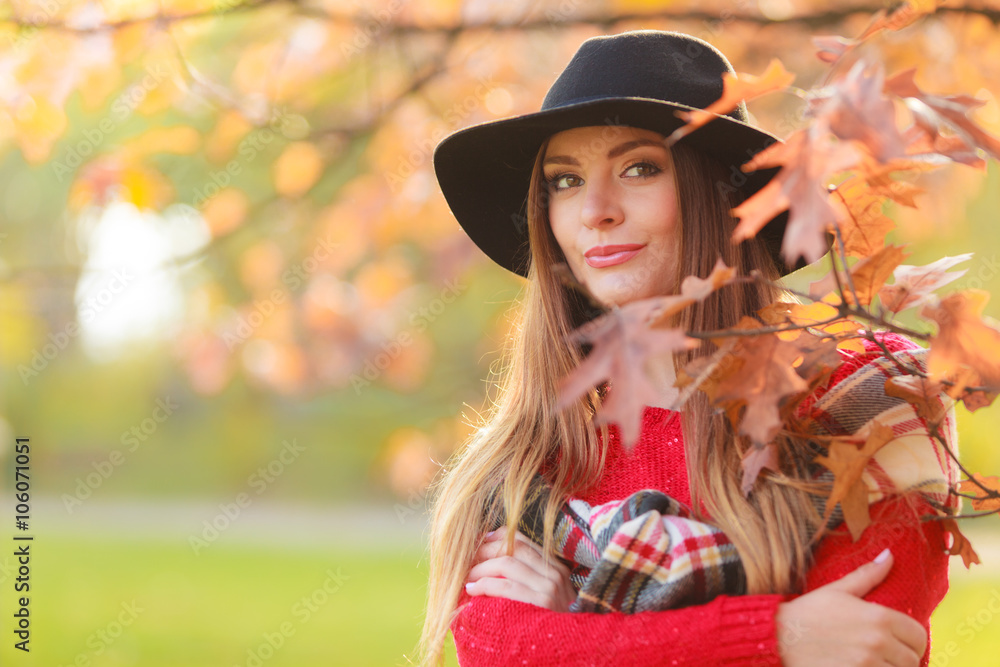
x: 270, y: 161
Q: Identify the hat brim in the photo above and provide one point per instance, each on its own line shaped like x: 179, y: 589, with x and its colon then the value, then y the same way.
x: 485, y: 170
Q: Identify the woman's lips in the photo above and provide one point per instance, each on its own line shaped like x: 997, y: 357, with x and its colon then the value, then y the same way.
x: 610, y: 255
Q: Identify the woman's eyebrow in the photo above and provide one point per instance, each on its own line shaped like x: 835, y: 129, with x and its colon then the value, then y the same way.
x: 625, y: 147
x: 616, y: 151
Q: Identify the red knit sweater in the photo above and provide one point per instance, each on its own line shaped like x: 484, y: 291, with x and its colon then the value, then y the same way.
x: 730, y: 630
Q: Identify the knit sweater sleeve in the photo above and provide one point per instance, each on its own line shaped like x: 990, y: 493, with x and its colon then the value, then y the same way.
x: 730, y: 630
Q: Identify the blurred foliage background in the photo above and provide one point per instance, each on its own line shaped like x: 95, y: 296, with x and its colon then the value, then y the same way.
x: 242, y: 330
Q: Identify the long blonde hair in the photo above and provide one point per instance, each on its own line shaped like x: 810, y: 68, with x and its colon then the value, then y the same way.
x: 486, y: 481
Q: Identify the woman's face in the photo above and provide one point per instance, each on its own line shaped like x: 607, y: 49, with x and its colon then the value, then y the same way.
x: 612, y: 206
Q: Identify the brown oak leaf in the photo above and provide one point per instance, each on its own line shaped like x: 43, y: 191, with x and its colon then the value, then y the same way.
x: 867, y: 276
x: 807, y: 158
x: 966, y: 350
x: 754, y: 460
x: 915, y: 284
x: 900, y: 17
x: 932, y: 113
x: 960, y: 544
x: 761, y: 376
x: 623, y: 345
x: 693, y: 289
x: 735, y: 90
x: 831, y: 48
x: 923, y: 393
x: 857, y: 109
x: 863, y: 225
x: 880, y: 180
x: 847, y: 462
x: 983, y: 502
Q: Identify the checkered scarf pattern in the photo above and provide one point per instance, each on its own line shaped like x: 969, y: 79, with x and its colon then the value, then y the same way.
x: 645, y: 553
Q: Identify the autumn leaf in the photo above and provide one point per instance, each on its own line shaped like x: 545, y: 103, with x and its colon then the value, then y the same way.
x: 863, y: 226
x: 736, y: 89
x: 623, y: 345
x: 762, y: 374
x: 754, y: 460
x: 807, y: 159
x: 878, y: 176
x: 900, y: 17
x: 966, y: 350
x: 983, y: 502
x: 914, y: 284
x: 693, y: 289
x: 847, y: 463
x: 830, y: 48
x: 870, y: 273
x: 932, y: 113
x: 960, y: 544
x: 856, y: 109
x: 923, y: 393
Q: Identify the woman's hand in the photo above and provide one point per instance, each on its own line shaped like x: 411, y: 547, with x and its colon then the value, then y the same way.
x: 521, y: 576
x: 832, y: 625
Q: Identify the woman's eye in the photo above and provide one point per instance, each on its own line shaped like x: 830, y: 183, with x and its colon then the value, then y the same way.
x: 563, y: 181
x: 642, y: 170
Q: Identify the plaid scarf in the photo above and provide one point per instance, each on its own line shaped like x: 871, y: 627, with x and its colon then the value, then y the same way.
x: 645, y: 553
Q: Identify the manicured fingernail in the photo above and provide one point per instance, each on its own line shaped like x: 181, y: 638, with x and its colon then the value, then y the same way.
x: 491, y: 533
x: 884, y: 556
x: 469, y: 585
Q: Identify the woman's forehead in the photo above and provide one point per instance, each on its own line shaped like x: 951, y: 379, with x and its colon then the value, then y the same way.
x: 599, y: 139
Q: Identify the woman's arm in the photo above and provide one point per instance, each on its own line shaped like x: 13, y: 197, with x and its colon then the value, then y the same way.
x: 727, y: 631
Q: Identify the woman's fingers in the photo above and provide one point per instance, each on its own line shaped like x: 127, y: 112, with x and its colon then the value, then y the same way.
x: 522, y: 575
x: 864, y: 578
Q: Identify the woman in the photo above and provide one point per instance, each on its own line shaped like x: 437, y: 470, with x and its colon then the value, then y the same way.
x: 630, y: 217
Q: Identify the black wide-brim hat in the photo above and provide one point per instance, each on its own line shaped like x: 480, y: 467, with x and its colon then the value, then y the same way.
x: 640, y: 79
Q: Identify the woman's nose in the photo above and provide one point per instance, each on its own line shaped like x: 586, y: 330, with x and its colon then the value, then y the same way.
x: 601, y: 203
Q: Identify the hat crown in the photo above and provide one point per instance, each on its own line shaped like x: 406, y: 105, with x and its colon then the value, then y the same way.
x: 653, y: 64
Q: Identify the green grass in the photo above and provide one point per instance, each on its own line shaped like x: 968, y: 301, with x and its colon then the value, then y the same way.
x: 217, y: 609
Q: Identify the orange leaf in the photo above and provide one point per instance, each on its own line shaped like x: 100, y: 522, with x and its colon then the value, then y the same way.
x: 754, y: 460
x: 693, y: 289
x: 983, y: 502
x: 864, y: 226
x: 933, y: 113
x: 736, y: 89
x: 623, y: 343
x: 960, y: 545
x: 871, y: 273
x: 965, y: 344
x: 808, y: 159
x: 765, y: 377
x: 922, y: 393
x: 847, y: 462
x: 914, y: 284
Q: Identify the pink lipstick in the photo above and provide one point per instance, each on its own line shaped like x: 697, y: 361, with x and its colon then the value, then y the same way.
x: 610, y: 255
